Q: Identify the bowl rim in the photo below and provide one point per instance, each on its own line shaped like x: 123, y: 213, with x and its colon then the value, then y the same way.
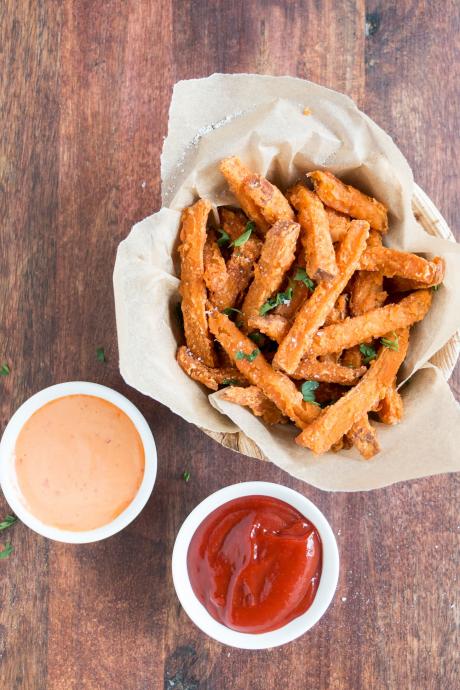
x: 8, y: 481
x: 295, y: 628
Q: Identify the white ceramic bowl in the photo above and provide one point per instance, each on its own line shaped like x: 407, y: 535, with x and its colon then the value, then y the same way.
x: 8, y: 480
x: 195, y: 609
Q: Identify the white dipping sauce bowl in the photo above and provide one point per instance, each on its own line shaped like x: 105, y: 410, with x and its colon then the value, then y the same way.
x: 295, y: 628
x: 8, y: 478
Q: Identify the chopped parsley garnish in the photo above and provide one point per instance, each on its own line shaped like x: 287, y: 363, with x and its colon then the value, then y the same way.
x: 391, y: 344
x: 228, y: 310
x: 4, y: 369
x: 308, y: 391
x: 224, y: 237
x: 250, y: 358
x: 186, y: 476
x: 6, y: 551
x: 280, y: 298
x: 100, y: 354
x: 243, y: 238
x: 229, y: 382
x: 368, y: 352
x: 257, y: 338
x: 303, y: 277
x: 435, y: 288
x: 8, y: 521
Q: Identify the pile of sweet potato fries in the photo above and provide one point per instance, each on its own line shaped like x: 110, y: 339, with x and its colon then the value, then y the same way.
x: 293, y: 306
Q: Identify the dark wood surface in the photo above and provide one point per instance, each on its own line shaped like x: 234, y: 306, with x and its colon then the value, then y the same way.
x: 85, y: 90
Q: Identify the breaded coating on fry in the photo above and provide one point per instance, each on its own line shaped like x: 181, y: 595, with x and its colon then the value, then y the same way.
x: 253, y: 365
x: 373, y: 324
x: 338, y: 224
x: 276, y: 257
x: 257, y: 401
x: 337, y: 419
x: 233, y: 222
x: 392, y: 262
x: 192, y: 287
x: 338, y: 311
x: 351, y: 357
x: 345, y: 198
x: 272, y: 325
x: 367, y: 291
x: 363, y: 435
x: 260, y: 200
x: 315, y: 235
x: 314, y: 311
x: 329, y: 372
x: 215, y: 270
x: 391, y: 408
x: 209, y: 376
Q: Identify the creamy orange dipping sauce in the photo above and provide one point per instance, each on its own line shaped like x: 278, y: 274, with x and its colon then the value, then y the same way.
x: 79, y: 462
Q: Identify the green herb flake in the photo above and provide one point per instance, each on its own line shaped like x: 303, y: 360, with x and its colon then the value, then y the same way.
x: 224, y: 237
x: 368, y: 352
x: 250, y: 358
x: 4, y: 369
x: 100, y: 354
x: 257, y: 338
x: 228, y: 310
x: 8, y: 521
x: 186, y: 476
x: 435, y: 288
x: 280, y: 298
x: 308, y: 391
x: 391, y: 344
x: 230, y: 382
x: 243, y: 238
x: 6, y: 551
x: 303, y: 277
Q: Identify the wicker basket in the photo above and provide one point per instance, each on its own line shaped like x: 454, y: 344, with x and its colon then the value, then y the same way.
x: 445, y: 359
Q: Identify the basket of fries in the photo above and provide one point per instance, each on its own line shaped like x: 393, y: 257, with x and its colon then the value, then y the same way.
x: 286, y: 299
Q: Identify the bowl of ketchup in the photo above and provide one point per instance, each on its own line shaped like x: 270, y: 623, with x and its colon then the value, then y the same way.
x: 255, y: 565
x: 77, y: 462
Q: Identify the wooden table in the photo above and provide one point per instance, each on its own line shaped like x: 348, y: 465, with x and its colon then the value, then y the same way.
x: 85, y: 90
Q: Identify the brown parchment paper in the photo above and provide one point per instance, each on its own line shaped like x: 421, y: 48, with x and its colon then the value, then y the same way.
x: 261, y: 119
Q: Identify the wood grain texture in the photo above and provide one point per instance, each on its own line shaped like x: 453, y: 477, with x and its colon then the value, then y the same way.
x: 84, y: 93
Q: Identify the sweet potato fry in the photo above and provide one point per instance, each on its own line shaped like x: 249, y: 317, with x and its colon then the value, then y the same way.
x: 314, y: 311
x: 315, y: 236
x: 215, y: 270
x: 363, y: 435
x: 392, y: 262
x: 374, y: 324
x: 391, y: 408
x: 257, y: 401
x: 367, y: 291
x: 399, y: 284
x: 338, y: 224
x: 337, y: 419
x: 209, y: 376
x: 260, y: 200
x: 192, y: 287
x: 338, y: 311
x: 233, y: 222
x: 351, y: 357
x: 345, y: 198
x: 276, y: 257
x: 272, y: 325
x: 253, y: 365
x: 330, y: 372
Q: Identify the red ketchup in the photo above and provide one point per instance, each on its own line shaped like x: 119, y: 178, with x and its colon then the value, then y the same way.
x: 255, y: 563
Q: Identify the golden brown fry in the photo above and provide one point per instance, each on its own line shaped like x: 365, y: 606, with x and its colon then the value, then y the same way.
x: 337, y: 419
x: 338, y: 224
x: 272, y: 325
x: 259, y: 199
x: 240, y: 270
x: 351, y: 357
x: 209, y: 376
x: 276, y: 386
x: 192, y: 287
x: 329, y: 372
x: 391, y: 408
x: 392, y: 262
x: 345, y: 198
x: 338, y: 311
x: 367, y: 291
x: 215, y: 270
x: 363, y: 435
x: 374, y: 324
x: 315, y: 235
x: 276, y: 257
x: 314, y: 311
x: 257, y: 401
x: 233, y: 222
x: 300, y: 293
